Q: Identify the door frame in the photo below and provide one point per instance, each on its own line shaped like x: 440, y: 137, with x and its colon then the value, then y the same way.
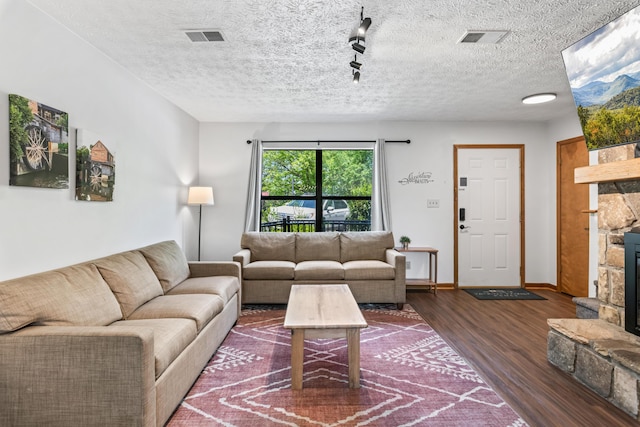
x: 457, y: 147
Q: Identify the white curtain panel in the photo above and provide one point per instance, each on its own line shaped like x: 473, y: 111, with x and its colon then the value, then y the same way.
x: 380, y: 209
x: 252, y: 214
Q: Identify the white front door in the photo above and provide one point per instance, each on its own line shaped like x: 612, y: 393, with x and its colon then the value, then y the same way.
x: 488, y: 222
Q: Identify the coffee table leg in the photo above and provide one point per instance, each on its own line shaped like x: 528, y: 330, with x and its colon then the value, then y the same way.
x: 353, y: 352
x: 297, y: 356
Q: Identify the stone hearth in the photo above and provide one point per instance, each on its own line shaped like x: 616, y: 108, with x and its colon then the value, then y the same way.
x: 599, y: 352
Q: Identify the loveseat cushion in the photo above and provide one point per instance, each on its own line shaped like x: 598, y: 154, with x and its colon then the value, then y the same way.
x: 368, y: 270
x: 170, y: 338
x: 72, y: 296
x: 269, y: 270
x: 367, y: 245
x: 168, y: 262
x: 223, y: 286
x: 130, y: 278
x: 317, y: 246
x: 270, y: 246
x: 200, y: 308
x: 319, y: 270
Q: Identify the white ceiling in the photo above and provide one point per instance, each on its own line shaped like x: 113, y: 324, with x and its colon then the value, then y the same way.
x: 288, y: 60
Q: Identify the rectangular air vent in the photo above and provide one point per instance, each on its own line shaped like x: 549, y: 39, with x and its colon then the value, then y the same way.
x: 205, y: 35
x: 490, y: 37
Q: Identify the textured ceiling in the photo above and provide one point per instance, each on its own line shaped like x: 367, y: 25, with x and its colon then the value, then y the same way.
x: 288, y: 60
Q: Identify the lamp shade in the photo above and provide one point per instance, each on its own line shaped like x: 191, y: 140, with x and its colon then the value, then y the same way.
x: 200, y: 196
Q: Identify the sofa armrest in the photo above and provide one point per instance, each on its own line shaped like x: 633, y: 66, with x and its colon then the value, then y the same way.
x: 74, y: 375
x: 214, y: 268
x: 399, y: 263
x: 243, y: 257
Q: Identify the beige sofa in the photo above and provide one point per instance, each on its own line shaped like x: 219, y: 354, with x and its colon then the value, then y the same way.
x: 117, y: 341
x: 366, y: 261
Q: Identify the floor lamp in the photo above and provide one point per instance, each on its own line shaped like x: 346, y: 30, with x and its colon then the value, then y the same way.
x: 200, y: 196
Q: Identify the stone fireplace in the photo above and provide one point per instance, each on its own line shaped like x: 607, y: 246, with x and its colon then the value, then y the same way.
x: 618, y: 212
x: 599, y: 352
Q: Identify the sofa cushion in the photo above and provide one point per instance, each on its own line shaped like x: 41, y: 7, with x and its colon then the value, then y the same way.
x: 201, y: 308
x: 317, y: 246
x: 319, y: 270
x: 130, y: 278
x: 168, y: 263
x: 170, y: 338
x: 368, y: 270
x: 270, y: 246
x: 75, y: 295
x: 365, y: 245
x: 269, y: 270
x: 223, y: 286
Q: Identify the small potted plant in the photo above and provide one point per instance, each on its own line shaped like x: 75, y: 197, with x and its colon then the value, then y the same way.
x: 405, y: 240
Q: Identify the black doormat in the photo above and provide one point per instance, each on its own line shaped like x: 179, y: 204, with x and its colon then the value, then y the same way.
x: 515, y: 293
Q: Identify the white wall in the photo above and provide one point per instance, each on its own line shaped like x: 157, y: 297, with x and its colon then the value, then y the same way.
x: 225, y: 158
x: 156, y: 151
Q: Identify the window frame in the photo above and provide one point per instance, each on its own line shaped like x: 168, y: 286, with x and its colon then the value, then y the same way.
x: 318, y: 197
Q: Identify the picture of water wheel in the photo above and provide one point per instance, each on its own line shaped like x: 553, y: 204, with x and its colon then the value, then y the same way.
x: 96, y: 177
x: 36, y: 149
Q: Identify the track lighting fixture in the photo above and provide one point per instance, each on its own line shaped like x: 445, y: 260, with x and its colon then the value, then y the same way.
x: 364, y: 26
x: 355, y: 64
x: 358, y: 47
x: 357, y: 44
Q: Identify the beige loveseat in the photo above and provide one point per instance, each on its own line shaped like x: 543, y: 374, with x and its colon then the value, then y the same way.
x: 366, y: 261
x: 117, y: 341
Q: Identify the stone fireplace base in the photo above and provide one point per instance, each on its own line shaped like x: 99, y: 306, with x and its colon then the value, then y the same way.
x: 600, y: 355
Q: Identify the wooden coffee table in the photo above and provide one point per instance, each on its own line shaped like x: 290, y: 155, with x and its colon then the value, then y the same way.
x: 323, y: 311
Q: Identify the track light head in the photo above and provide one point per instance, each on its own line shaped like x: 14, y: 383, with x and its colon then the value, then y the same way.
x: 356, y: 77
x: 355, y: 64
x: 358, y: 47
x: 364, y: 26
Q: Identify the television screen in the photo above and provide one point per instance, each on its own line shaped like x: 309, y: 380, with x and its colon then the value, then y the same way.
x: 604, y: 75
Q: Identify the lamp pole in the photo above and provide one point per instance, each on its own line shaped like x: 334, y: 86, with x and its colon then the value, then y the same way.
x: 199, y: 230
x: 200, y: 196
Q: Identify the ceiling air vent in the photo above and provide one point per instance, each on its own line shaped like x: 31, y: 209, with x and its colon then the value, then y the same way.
x: 205, y: 35
x: 486, y: 37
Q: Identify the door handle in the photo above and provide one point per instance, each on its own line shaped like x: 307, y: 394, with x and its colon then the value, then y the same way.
x: 462, y: 226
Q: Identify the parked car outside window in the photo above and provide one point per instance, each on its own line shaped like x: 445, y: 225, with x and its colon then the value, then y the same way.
x: 336, y: 210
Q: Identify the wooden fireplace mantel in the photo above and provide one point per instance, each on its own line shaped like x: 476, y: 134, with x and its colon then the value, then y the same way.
x: 623, y: 170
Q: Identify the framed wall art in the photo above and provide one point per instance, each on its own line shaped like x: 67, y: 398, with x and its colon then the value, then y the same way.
x: 38, y: 144
x: 95, y: 167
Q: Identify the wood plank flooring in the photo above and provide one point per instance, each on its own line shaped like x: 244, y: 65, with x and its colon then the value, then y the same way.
x: 506, y: 343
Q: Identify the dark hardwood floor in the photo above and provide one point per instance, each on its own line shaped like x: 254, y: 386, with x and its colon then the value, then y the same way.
x: 506, y: 343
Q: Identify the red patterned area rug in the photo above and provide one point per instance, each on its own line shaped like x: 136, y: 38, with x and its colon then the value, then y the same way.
x: 409, y: 377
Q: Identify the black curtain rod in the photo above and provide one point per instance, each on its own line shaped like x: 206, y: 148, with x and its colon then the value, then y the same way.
x: 405, y: 141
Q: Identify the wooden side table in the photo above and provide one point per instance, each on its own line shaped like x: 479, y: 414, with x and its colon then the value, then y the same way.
x: 430, y: 282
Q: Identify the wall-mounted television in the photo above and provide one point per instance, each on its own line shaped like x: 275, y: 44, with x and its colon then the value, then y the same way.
x: 604, y: 74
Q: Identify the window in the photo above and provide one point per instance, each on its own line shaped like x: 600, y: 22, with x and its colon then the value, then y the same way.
x: 316, y: 190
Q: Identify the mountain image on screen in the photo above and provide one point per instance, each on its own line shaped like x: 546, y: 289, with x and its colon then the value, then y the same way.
x: 604, y: 74
x: 600, y: 93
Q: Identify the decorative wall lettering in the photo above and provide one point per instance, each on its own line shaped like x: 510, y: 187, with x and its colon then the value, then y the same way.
x: 417, y: 178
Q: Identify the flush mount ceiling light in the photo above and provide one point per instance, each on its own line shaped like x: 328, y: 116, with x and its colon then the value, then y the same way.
x: 539, y: 98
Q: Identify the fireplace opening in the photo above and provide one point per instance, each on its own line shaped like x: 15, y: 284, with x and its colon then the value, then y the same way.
x: 632, y: 281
